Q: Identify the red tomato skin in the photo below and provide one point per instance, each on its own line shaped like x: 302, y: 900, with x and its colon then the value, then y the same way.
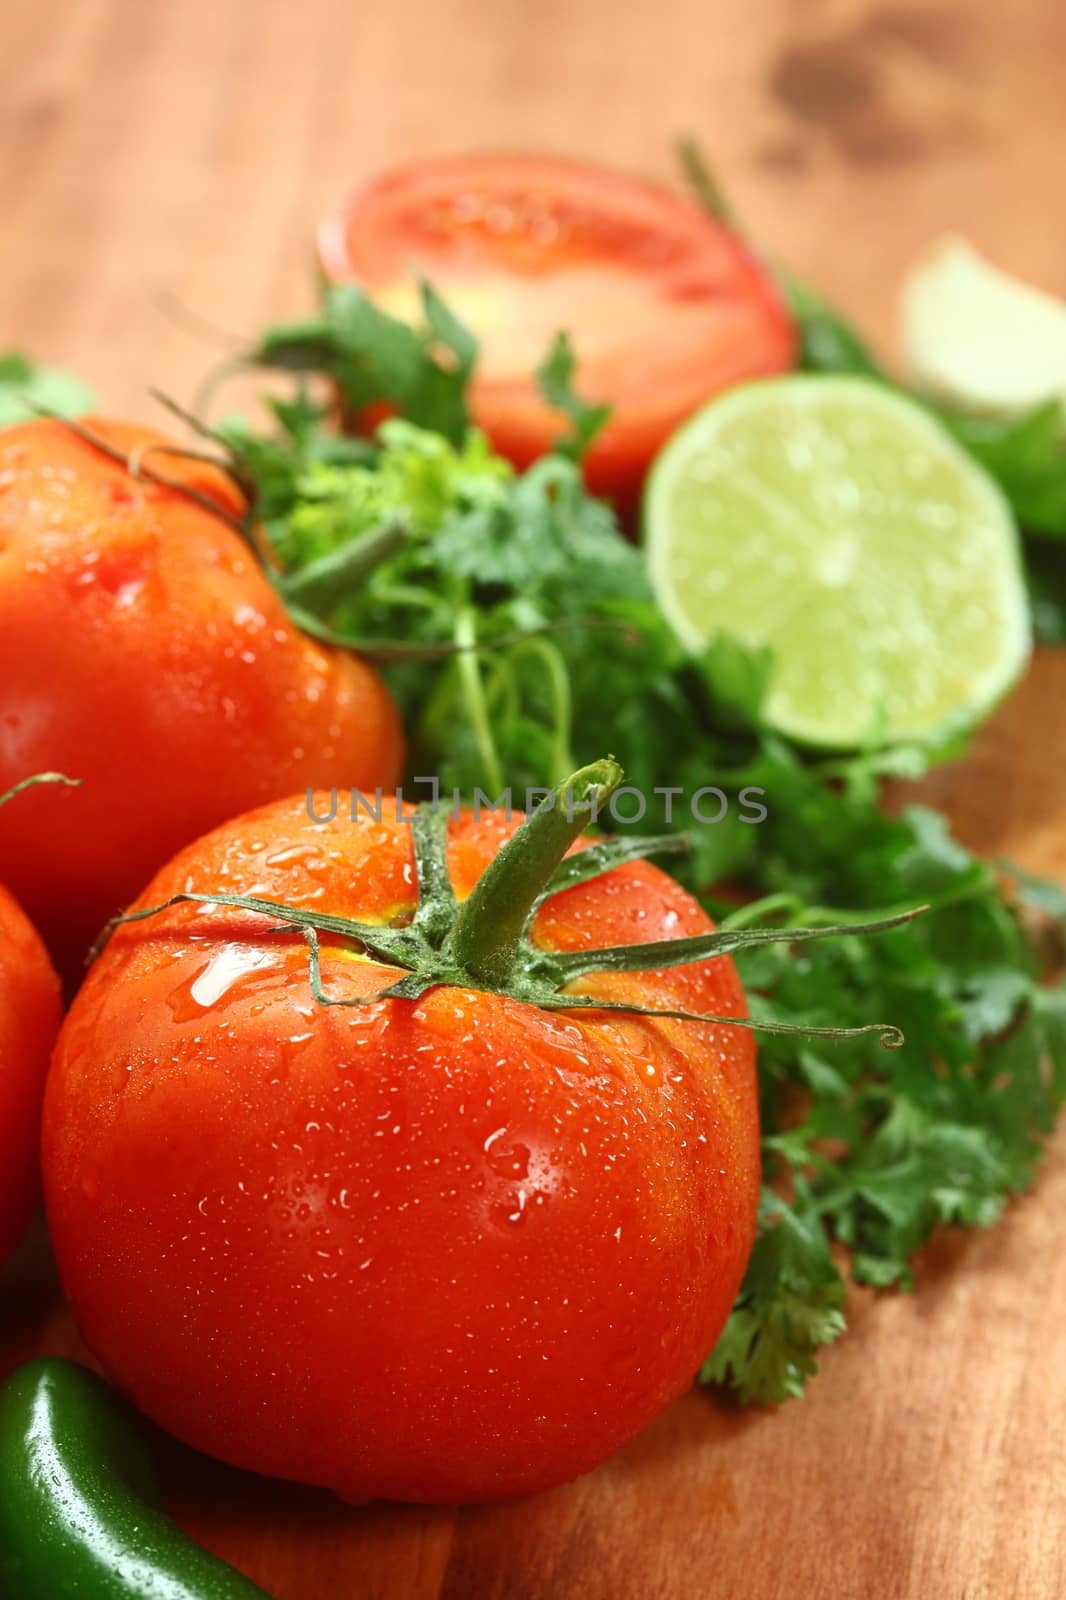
x: 436, y: 220
x: 29, y: 1022
x: 449, y: 1250
x: 143, y: 651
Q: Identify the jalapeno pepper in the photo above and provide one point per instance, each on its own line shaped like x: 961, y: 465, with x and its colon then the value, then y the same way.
x: 79, y: 1508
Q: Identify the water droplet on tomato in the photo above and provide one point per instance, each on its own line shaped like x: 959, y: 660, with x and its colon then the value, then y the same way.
x: 216, y: 978
x: 509, y: 1160
x: 510, y: 1212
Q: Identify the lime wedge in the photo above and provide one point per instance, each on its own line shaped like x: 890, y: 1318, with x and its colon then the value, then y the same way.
x: 838, y: 524
x: 980, y: 338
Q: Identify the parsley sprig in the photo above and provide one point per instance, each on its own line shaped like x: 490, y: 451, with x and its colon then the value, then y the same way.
x: 877, y: 1152
x: 25, y: 386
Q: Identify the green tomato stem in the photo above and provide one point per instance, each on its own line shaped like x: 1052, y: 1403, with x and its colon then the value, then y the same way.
x: 326, y: 580
x: 486, y: 936
x: 38, y: 777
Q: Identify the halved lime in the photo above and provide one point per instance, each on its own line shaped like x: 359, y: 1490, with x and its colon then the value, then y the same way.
x: 837, y: 523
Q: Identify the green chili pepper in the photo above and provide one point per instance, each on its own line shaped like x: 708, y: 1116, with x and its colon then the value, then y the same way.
x: 79, y: 1506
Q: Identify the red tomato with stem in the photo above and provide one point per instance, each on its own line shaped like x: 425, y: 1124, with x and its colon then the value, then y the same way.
x: 665, y: 305
x: 446, y: 1248
x: 144, y: 652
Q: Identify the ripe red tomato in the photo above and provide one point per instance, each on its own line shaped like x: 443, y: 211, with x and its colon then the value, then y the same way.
x: 665, y: 306
x: 29, y: 1021
x: 441, y: 1250
x: 143, y: 651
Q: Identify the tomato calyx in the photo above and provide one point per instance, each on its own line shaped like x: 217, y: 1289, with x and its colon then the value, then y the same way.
x: 485, y: 943
x: 38, y: 777
x: 488, y: 938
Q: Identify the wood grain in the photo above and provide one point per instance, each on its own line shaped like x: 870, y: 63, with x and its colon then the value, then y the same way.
x: 156, y: 150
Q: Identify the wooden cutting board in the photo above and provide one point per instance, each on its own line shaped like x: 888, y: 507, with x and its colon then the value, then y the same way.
x: 155, y: 155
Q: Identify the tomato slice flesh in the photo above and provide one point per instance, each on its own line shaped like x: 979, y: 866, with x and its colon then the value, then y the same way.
x: 665, y: 306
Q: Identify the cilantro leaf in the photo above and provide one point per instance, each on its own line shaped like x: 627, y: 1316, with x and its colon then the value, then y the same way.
x: 1027, y: 457
x: 25, y: 385
x: 888, y: 1146
x: 1039, y: 894
x: 273, y: 464
x: 790, y: 1304
x: 375, y: 358
x: 827, y: 342
x: 555, y: 379
x: 737, y: 679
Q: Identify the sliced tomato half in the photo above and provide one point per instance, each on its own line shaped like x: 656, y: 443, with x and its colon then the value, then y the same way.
x: 665, y: 306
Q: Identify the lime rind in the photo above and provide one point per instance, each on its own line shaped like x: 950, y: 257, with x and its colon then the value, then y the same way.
x: 838, y: 525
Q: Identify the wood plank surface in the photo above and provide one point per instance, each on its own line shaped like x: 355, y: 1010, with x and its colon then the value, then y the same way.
x: 153, y: 152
